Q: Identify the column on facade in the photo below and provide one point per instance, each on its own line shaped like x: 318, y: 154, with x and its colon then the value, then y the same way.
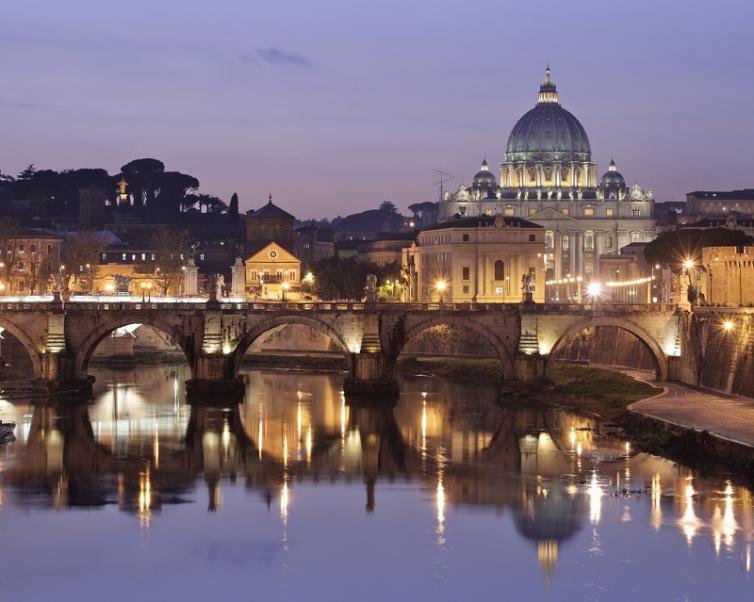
x: 558, y: 175
x: 572, y: 253
x: 599, y: 244
x: 574, y: 181
x: 557, y: 251
x: 539, y: 175
x: 579, y: 254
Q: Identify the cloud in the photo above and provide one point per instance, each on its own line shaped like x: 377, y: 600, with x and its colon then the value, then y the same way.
x: 276, y: 56
x: 22, y: 105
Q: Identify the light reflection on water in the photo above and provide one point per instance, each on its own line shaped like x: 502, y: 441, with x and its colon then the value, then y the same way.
x: 476, y: 494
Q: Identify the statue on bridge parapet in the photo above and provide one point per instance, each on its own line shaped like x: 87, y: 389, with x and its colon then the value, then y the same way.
x: 527, y: 287
x: 370, y: 290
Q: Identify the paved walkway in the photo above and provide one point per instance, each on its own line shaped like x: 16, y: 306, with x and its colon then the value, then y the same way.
x: 722, y: 415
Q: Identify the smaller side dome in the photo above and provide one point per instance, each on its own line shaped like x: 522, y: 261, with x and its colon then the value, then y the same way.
x: 484, y: 178
x: 613, y: 178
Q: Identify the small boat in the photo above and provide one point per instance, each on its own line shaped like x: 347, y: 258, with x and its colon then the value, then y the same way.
x: 6, y: 431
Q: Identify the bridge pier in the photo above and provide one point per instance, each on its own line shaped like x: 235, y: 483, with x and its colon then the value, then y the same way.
x: 214, y: 380
x: 371, y: 377
x: 528, y: 368
x: 58, y: 376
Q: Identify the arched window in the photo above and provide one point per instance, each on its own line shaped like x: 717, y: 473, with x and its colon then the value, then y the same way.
x: 499, y: 270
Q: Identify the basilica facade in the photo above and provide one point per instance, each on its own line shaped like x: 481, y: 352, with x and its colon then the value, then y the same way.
x: 548, y: 177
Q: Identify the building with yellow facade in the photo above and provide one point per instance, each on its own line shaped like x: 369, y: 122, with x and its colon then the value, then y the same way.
x: 484, y: 259
x: 273, y: 273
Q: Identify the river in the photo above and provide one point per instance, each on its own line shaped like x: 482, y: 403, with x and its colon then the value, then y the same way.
x: 296, y: 495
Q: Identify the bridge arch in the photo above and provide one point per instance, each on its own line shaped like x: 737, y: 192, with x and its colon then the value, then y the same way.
x: 32, y: 349
x: 655, y: 349
x: 86, y: 347
x: 271, y: 323
x: 506, y: 360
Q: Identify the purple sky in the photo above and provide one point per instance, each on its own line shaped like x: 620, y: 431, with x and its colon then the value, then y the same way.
x: 335, y: 106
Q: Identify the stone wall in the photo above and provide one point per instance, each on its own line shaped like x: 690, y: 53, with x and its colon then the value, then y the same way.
x: 449, y: 340
x: 295, y: 337
x: 608, y: 345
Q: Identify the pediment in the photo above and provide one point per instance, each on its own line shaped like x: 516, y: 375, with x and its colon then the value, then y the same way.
x: 550, y: 213
x: 272, y: 253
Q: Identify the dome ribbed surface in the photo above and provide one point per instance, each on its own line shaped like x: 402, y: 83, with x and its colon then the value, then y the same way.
x: 548, y: 133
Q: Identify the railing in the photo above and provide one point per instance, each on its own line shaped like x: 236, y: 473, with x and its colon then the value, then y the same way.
x: 114, y: 303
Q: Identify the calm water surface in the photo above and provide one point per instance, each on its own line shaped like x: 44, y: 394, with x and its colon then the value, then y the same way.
x: 295, y: 495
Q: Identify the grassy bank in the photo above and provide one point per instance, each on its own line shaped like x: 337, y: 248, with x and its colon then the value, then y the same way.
x: 485, y: 370
x: 596, y: 390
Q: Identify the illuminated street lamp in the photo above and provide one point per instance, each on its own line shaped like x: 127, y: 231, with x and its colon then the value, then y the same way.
x: 286, y: 286
x: 728, y: 325
x: 143, y: 286
x: 440, y: 287
x: 594, y: 290
x: 309, y: 279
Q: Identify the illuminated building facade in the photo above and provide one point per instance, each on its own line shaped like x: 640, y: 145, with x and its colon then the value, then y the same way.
x: 549, y: 178
x: 480, y: 259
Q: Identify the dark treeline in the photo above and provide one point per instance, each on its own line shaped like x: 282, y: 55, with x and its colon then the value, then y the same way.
x: 150, y: 193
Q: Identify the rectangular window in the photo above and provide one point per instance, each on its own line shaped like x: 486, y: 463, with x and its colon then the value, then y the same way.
x: 124, y: 257
x: 588, y: 211
x: 532, y: 237
x: 292, y: 275
x: 465, y: 238
x: 21, y: 249
x: 33, y: 248
x: 279, y: 275
x: 49, y: 249
x: 588, y: 240
x: 509, y: 211
x: 609, y: 212
x: 20, y: 266
x: 566, y: 211
x: 636, y: 212
x: 466, y: 273
x: 609, y: 242
x: 253, y: 275
x: 465, y: 289
x: 201, y: 256
x: 153, y: 257
x: 532, y: 212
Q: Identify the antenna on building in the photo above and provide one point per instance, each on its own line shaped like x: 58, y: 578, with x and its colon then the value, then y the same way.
x: 444, y: 177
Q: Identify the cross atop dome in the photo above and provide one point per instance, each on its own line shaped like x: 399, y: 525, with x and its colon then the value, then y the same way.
x: 612, y: 166
x: 548, y: 93
x: 484, y: 167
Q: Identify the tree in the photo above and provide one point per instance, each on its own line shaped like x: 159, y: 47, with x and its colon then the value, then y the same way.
x: 233, y: 209
x: 81, y: 254
x: 10, y: 232
x: 674, y: 247
x: 172, y: 250
x: 143, y: 177
x: 27, y: 175
x: 346, y: 278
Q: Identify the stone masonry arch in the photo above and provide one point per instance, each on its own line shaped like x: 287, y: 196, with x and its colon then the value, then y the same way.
x: 32, y: 349
x: 267, y: 324
x: 640, y: 333
x: 83, y: 351
x: 503, y: 353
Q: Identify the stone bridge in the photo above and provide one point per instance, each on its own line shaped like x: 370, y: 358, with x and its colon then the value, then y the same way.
x: 61, y: 337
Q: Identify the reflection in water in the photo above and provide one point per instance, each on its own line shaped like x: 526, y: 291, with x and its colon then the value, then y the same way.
x: 141, y: 447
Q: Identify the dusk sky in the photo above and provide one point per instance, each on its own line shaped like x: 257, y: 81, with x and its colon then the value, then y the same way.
x: 336, y: 106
